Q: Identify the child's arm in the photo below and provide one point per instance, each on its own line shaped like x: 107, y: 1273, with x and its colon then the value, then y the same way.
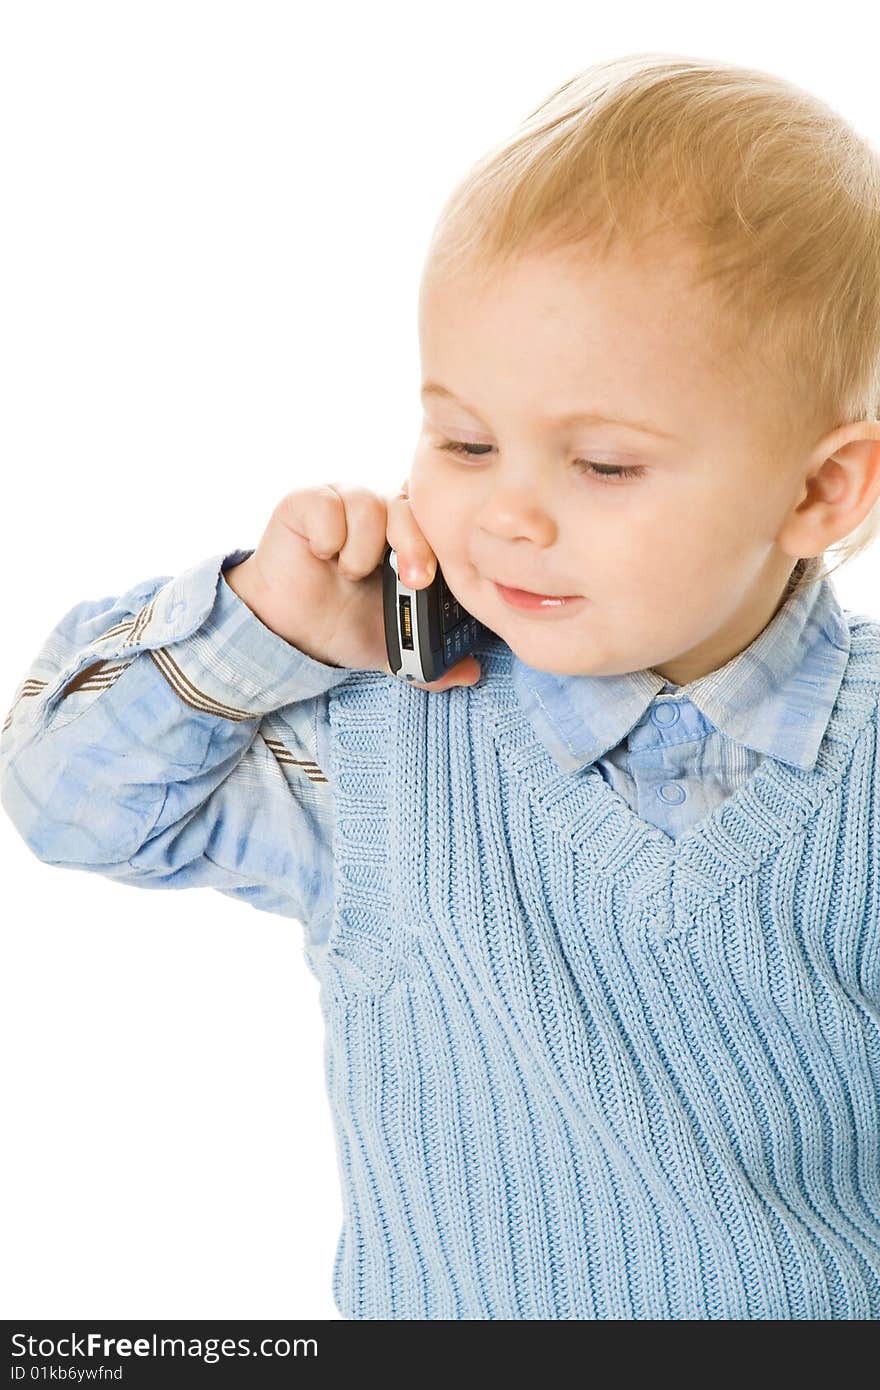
x: 142, y: 745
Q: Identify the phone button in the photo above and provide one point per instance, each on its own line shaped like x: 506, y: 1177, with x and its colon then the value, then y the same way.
x: 450, y: 613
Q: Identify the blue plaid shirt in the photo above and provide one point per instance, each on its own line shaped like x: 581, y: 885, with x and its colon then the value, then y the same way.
x: 674, y: 752
x: 168, y: 739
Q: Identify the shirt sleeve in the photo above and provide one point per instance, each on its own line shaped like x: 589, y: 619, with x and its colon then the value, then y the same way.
x: 168, y: 739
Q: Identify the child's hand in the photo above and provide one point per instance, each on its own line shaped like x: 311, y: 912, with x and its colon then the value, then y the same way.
x: 316, y: 576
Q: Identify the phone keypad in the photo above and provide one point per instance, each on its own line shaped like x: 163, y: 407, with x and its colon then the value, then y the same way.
x: 457, y: 643
x: 457, y: 627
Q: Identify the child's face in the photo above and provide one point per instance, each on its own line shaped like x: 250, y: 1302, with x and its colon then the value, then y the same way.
x: 678, y: 564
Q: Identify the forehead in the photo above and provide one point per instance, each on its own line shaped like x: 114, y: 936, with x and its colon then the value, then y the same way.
x: 565, y: 321
x: 571, y: 287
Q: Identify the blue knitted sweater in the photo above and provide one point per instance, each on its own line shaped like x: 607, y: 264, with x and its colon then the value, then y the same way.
x: 578, y: 1068
x: 582, y: 1070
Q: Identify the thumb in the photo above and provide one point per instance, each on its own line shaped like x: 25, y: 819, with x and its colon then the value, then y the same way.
x: 464, y: 672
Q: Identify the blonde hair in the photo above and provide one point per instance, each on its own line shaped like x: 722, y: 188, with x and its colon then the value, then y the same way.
x: 774, y: 193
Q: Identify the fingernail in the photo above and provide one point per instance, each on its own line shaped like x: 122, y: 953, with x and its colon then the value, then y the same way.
x: 416, y: 574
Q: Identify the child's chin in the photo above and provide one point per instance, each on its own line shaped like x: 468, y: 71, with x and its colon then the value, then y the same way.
x: 541, y: 656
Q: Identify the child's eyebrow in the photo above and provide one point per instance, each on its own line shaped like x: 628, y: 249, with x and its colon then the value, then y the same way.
x: 434, y: 388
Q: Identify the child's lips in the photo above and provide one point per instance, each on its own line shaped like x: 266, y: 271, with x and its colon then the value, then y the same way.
x: 536, y: 593
x: 526, y: 601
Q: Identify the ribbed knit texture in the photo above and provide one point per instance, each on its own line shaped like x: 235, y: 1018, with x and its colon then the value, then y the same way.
x: 582, y: 1062
x: 578, y: 1069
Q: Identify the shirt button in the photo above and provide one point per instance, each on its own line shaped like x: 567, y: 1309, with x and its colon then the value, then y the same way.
x: 672, y: 793
x: 665, y: 714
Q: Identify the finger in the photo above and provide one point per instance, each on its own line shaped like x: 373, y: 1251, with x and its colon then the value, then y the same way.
x: 316, y: 516
x: 416, y: 561
x: 365, y: 525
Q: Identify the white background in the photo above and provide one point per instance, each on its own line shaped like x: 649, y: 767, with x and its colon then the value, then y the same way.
x: 214, y: 218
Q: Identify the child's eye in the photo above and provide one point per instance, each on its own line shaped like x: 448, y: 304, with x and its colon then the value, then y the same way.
x: 610, y: 472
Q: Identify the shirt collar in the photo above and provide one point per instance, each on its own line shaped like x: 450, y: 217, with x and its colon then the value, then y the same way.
x: 775, y: 696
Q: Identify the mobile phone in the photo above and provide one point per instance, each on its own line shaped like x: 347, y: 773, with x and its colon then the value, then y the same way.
x: 426, y: 630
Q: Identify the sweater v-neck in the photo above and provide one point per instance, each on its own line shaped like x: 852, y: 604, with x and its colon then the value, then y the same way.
x: 673, y: 879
